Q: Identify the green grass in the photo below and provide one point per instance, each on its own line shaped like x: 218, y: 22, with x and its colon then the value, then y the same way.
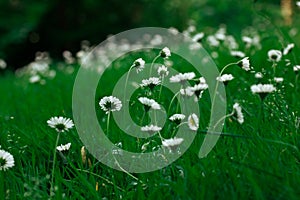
x: 255, y: 160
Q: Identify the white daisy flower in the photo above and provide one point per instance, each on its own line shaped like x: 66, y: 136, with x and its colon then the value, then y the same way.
x: 139, y: 64
x: 238, y: 110
x: 151, y: 129
x: 238, y: 54
x: 177, y: 118
x: 172, y: 143
x: 34, y: 79
x: 212, y: 41
x: 199, y: 89
x: 225, y: 78
x: 202, y: 80
x: 296, y: 68
x: 60, y: 124
x: 278, y: 79
x: 149, y: 103
x: 274, y: 55
x: 163, y: 71
x: 189, y: 91
x: 245, y: 64
x: 258, y: 75
x: 6, y: 160
x: 247, y: 40
x: 262, y: 89
x: 151, y: 82
x: 198, y: 37
x: 65, y: 147
x: 288, y: 48
x: 182, y: 78
x: 110, y: 103
x: 193, y: 122
x: 165, y: 52
x: 3, y: 64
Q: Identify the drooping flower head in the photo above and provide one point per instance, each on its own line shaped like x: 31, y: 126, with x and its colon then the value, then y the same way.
x: 6, y: 160
x: 110, y: 104
x: 60, y: 124
x: 245, y: 64
x: 139, y: 64
x: 165, y: 52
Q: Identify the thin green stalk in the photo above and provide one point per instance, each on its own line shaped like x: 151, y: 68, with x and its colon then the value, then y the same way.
x: 107, y: 125
x: 172, y: 101
x: 53, y: 165
x: 2, y: 189
x: 153, y: 63
x: 161, y: 85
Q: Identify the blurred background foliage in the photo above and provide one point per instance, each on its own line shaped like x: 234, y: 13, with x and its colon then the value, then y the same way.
x: 28, y: 26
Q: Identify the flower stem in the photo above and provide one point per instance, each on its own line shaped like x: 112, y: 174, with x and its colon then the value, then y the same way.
x: 107, y: 125
x: 53, y: 165
x: 216, y: 88
x: 161, y: 85
x: 172, y: 101
x: 153, y: 63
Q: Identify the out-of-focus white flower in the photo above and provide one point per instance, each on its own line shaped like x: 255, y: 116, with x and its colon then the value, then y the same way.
x: 296, y: 68
x: 238, y: 110
x: 163, y: 71
x: 34, y: 79
x: 258, y: 75
x: 298, y: 3
x: 278, y: 79
x: 212, y: 41
x: 189, y: 91
x: 238, y: 54
x: 3, y: 64
x: 274, y: 55
x: 198, y: 37
x: 288, y: 48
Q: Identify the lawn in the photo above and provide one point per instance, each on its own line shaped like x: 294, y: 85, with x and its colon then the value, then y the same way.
x: 257, y: 154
